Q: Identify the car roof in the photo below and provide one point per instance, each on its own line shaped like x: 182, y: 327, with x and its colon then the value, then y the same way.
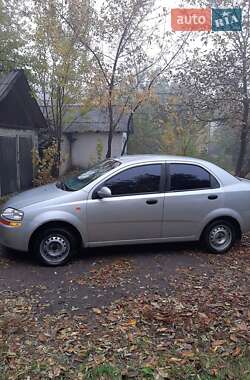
x: 159, y: 157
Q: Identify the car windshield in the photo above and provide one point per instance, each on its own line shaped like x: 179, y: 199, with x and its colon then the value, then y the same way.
x: 85, y: 177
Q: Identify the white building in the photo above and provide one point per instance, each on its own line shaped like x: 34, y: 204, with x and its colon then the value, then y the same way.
x: 85, y: 139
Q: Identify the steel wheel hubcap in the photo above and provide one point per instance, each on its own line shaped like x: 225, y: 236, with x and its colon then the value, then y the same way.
x: 220, y: 237
x: 55, y: 248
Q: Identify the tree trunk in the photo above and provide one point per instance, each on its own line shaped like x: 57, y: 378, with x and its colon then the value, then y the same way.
x: 244, y: 132
x: 58, y: 156
x: 245, y: 126
x: 125, y: 145
x: 59, y: 143
x: 110, y: 136
x: 242, y: 153
x: 128, y: 134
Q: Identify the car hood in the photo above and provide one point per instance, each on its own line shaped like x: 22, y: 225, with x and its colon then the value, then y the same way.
x: 39, y: 194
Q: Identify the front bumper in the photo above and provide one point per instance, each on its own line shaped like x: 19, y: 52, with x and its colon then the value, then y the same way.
x: 14, y: 237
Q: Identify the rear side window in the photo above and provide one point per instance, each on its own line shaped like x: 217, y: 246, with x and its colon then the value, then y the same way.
x: 137, y: 180
x: 190, y: 177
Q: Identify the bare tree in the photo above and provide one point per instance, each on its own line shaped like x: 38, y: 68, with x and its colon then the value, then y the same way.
x: 218, y: 80
x: 145, y: 90
x: 123, y: 71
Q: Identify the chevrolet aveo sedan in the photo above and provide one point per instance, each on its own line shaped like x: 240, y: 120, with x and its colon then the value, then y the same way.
x: 129, y: 200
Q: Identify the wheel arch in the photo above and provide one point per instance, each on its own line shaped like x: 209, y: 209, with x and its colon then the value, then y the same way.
x: 228, y: 218
x: 56, y: 224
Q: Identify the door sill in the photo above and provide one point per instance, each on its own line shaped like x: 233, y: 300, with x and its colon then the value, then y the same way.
x: 141, y: 241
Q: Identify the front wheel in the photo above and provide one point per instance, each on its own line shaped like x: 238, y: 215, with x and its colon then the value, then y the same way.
x: 219, y: 236
x: 54, y: 246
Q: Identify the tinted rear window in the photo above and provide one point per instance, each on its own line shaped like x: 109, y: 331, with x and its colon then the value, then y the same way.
x: 190, y: 177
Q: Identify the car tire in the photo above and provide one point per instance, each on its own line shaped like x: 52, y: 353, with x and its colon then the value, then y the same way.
x: 219, y: 236
x: 54, y: 246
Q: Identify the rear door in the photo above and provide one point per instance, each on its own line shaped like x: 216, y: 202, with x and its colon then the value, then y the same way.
x: 191, y: 194
x: 134, y: 211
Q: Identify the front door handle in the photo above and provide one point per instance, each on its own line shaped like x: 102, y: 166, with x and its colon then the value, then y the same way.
x: 151, y: 201
x: 213, y: 196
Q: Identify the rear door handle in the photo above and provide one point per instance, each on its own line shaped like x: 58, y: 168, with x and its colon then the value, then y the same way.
x: 212, y: 197
x: 151, y: 201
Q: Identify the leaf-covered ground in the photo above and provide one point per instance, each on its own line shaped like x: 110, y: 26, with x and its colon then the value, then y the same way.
x: 147, y: 319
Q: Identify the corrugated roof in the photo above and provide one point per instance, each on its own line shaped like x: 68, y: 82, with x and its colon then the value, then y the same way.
x: 96, y: 120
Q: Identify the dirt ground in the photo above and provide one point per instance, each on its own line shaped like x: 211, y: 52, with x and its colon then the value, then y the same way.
x: 159, y: 312
x: 97, y: 277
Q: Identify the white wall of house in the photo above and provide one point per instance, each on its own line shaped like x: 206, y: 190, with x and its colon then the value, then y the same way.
x: 87, y: 148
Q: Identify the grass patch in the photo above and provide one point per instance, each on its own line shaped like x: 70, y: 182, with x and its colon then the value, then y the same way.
x: 103, y: 372
x: 209, y: 368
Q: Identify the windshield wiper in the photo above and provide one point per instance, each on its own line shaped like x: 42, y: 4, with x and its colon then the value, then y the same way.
x: 63, y: 186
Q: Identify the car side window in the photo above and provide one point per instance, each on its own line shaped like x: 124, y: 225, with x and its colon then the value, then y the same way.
x: 138, y: 180
x: 190, y: 177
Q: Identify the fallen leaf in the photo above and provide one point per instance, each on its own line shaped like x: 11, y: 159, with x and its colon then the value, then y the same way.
x: 237, y: 351
x: 214, y: 372
x: 187, y: 354
x: 163, y: 373
x: 242, y: 326
x: 42, y: 338
x: 132, y: 322
x: 233, y: 338
x: 217, y: 343
x: 96, y: 310
x: 174, y: 360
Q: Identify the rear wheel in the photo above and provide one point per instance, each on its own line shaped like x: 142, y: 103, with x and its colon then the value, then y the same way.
x: 219, y: 236
x: 54, y: 246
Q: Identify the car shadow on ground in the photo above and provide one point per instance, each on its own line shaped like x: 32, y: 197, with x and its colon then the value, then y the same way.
x: 139, y: 250
x: 98, y: 276
x: 111, y: 252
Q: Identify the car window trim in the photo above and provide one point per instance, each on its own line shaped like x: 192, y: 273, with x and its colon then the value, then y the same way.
x: 161, y: 185
x: 168, y: 178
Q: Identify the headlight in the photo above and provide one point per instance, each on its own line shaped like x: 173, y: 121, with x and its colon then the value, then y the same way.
x: 12, y: 214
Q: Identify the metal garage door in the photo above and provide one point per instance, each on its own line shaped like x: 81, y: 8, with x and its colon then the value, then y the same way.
x: 25, y: 162
x: 8, y: 165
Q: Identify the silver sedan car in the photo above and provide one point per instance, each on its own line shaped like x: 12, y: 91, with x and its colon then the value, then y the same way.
x: 129, y: 200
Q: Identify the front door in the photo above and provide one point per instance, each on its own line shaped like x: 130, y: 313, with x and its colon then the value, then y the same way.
x: 134, y: 211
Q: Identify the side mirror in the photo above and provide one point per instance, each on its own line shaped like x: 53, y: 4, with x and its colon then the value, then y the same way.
x: 104, y: 192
